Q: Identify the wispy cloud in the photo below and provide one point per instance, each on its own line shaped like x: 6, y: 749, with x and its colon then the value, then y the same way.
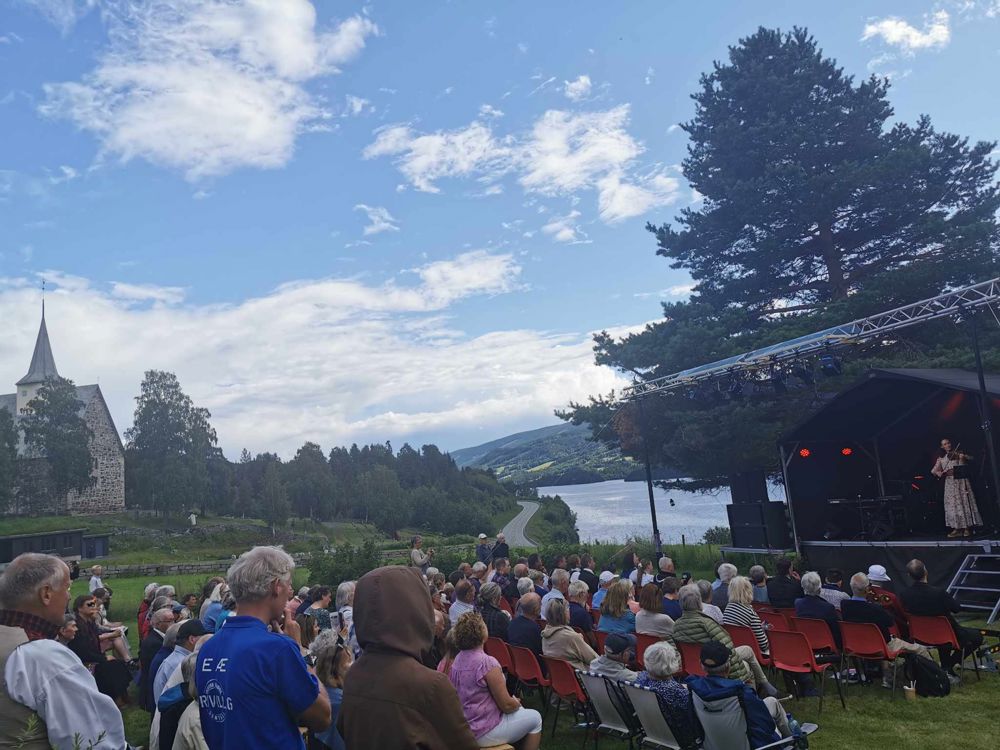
x: 207, y: 88
x: 167, y: 295
x: 577, y: 89
x: 355, y: 106
x: 379, y: 219
x: 565, y: 228
x: 898, y: 33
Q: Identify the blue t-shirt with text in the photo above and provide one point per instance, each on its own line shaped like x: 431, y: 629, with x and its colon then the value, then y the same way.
x: 252, y: 684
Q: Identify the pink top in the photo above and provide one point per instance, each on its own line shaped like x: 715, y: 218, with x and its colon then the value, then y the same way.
x: 468, y: 675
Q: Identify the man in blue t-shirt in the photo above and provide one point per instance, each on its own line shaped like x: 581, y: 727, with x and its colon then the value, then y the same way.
x: 254, y: 688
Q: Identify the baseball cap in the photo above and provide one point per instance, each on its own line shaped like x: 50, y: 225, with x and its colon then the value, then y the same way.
x: 714, y: 654
x: 189, y: 628
x: 606, y: 576
x: 482, y: 536
x: 617, y: 643
x: 877, y: 573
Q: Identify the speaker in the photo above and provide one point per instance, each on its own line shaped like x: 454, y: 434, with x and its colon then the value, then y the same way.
x: 759, y: 526
x: 748, y: 487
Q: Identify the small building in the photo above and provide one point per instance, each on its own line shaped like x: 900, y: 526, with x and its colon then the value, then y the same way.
x: 69, y: 544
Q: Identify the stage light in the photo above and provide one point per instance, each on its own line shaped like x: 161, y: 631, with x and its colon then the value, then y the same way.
x: 847, y: 451
x: 805, y: 452
x: 830, y: 365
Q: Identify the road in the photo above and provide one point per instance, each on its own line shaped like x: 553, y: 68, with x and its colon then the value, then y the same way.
x: 514, y: 531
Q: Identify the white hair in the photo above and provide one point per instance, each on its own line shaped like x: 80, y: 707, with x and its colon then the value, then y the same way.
x: 251, y: 576
x: 28, y: 573
x: 661, y: 660
x: 431, y: 572
x: 690, y: 598
x: 860, y: 584
x: 578, y: 588
x: 149, y: 591
x: 478, y: 567
x: 170, y: 637
x: 726, y: 572
x: 665, y: 563
x: 525, y: 586
x: 345, y: 594
x: 559, y: 576
x: 811, y: 583
x: 166, y: 590
x: 160, y: 615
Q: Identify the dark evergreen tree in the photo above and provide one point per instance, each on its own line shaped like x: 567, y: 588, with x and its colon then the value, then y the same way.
x: 274, y: 498
x: 310, y: 482
x: 8, y: 459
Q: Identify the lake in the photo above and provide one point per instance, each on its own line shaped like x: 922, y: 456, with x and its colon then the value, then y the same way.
x: 615, y: 510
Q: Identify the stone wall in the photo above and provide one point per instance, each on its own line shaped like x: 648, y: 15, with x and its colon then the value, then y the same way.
x: 107, y: 493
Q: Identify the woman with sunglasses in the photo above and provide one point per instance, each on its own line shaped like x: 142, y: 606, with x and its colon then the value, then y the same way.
x: 89, y: 643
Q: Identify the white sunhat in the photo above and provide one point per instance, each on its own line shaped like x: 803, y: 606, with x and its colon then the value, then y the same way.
x: 482, y: 536
x: 878, y: 573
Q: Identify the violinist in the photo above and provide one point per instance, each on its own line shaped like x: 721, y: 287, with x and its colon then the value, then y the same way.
x: 960, y: 511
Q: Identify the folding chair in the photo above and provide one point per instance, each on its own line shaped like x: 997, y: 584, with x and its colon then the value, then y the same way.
x: 938, y: 631
x: 818, y: 633
x: 691, y: 658
x: 642, y: 642
x: 498, y: 649
x: 863, y: 641
x: 607, y: 708
x: 776, y: 619
x: 566, y: 686
x: 744, y: 636
x: 529, y: 673
x: 724, y: 725
x: 656, y: 731
x: 792, y: 652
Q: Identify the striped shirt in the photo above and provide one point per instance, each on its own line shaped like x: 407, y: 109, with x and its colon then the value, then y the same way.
x: 744, y: 615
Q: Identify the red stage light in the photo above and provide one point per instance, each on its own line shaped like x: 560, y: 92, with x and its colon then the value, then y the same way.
x: 805, y: 452
x: 847, y: 451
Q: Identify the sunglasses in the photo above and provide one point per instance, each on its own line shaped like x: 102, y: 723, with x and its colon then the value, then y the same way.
x: 90, y: 604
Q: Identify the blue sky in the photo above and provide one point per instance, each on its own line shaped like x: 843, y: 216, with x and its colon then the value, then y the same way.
x: 395, y: 220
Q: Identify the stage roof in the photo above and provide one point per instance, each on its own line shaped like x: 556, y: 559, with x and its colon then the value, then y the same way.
x: 875, y: 403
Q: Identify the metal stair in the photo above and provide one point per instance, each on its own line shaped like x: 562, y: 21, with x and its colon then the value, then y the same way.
x: 976, y: 585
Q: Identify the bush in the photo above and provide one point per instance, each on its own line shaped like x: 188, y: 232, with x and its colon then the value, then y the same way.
x: 346, y: 563
x: 718, y: 535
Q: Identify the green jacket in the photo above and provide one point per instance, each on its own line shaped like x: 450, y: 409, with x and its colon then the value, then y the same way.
x: 696, y: 627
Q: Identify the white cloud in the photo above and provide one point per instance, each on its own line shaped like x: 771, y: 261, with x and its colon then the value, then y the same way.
x: 167, y: 295
x: 565, y: 229
x: 207, y: 88
x: 488, y: 110
x: 898, y: 33
x: 522, y: 48
x: 578, y: 88
x: 379, y: 219
x: 650, y: 73
x: 329, y: 360
x: 355, y: 106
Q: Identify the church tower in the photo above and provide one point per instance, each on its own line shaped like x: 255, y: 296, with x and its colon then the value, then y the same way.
x: 43, y: 367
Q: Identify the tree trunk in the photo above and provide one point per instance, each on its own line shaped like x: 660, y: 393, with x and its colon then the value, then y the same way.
x: 831, y: 258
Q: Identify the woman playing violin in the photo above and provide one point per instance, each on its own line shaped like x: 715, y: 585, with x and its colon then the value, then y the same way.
x: 960, y: 511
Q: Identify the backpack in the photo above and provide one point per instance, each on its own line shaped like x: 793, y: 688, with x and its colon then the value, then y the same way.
x: 931, y: 680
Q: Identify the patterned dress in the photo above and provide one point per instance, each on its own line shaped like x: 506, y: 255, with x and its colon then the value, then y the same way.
x: 960, y: 511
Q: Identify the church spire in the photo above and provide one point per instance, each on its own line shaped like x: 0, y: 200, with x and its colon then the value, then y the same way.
x: 43, y: 364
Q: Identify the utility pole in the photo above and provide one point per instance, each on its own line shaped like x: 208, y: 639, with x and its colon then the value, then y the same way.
x: 649, y: 480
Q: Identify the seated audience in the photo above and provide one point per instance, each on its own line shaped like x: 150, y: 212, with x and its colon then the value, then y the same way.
x: 784, y: 587
x: 539, y: 580
x: 587, y: 574
x: 160, y: 622
x: 333, y: 659
x: 172, y: 704
x: 465, y: 595
x: 87, y: 643
x: 833, y: 588
x: 560, y: 588
x: 720, y: 593
x: 449, y: 653
x: 68, y: 630
x: 766, y: 719
x: 501, y: 573
x: 650, y: 619
x: 511, y: 590
x: 604, y: 583
x: 758, y: 577
x: 47, y: 697
x: 739, y: 611
x: 524, y: 629
x: 670, y: 606
x: 188, y: 633
x: 619, y: 651
x: 662, y: 662
x: 616, y: 615
x: 923, y: 599
x: 560, y: 641
x: 494, y: 715
x: 579, y: 614
x: 207, y: 591
x: 666, y: 570
x: 320, y: 598
x: 525, y: 586
x: 497, y: 621
x: 881, y: 593
x: 141, y: 621
x: 214, y: 608
x: 706, y: 591
x: 815, y: 607
x: 478, y: 576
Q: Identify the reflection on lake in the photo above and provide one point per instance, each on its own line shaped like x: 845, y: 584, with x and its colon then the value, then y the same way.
x: 615, y: 510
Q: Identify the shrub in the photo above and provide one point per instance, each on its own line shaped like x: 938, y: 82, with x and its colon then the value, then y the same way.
x: 718, y: 535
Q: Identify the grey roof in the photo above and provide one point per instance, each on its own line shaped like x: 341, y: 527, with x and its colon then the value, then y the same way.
x: 43, y: 364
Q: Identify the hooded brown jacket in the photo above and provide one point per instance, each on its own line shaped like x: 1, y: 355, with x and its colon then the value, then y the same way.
x: 391, y: 700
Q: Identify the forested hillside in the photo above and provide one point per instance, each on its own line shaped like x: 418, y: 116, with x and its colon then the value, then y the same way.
x: 560, y: 454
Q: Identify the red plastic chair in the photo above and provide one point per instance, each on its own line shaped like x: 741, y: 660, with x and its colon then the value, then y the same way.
x: 744, y: 636
x: 817, y: 632
x: 792, y: 652
x: 642, y: 642
x: 595, y: 615
x: 691, y: 658
x: 505, y: 606
x: 526, y: 667
x: 775, y: 618
x: 937, y: 631
x: 563, y: 681
x: 498, y: 649
x: 600, y: 637
x: 864, y: 641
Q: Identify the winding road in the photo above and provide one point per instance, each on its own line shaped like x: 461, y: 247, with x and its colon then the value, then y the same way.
x: 514, y: 531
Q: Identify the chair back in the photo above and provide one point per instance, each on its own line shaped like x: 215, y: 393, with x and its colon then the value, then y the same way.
x: 642, y: 642
x: 691, y: 658
x: 863, y: 640
x: 744, y: 636
x: 599, y: 691
x: 498, y: 649
x: 563, y: 679
x: 505, y: 606
x: 595, y: 615
x: 647, y: 708
x: 723, y: 723
x: 601, y: 636
x: 817, y: 632
x: 526, y: 667
x: 932, y: 631
x: 776, y: 619
x: 792, y: 652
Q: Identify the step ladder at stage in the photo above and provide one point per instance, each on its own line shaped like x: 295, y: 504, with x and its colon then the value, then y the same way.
x: 976, y: 585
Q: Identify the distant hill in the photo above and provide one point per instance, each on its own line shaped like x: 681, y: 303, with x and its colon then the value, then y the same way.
x: 560, y: 454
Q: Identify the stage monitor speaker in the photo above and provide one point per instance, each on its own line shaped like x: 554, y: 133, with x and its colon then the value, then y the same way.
x: 749, y: 487
x: 759, y: 526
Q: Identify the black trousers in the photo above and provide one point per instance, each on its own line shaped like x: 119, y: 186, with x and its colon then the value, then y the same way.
x: 968, y: 639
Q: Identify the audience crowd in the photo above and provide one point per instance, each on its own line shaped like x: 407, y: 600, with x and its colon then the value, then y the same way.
x: 402, y: 658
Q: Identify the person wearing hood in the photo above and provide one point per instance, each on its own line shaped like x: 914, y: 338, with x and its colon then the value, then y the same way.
x: 391, y: 700
x: 560, y: 641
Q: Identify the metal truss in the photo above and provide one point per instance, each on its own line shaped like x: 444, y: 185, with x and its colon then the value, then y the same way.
x: 767, y: 359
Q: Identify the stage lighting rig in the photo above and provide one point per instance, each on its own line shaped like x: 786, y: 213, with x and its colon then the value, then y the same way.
x: 830, y: 365
x: 803, y: 372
